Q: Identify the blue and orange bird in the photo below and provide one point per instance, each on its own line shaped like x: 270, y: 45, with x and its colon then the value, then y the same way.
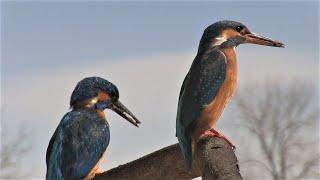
x: 211, y: 82
x: 83, y: 134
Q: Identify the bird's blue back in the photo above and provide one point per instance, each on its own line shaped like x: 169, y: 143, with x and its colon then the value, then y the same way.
x: 77, y: 145
x: 200, y: 86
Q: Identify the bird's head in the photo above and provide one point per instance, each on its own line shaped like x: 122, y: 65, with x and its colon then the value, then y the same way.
x: 231, y: 34
x: 96, y: 92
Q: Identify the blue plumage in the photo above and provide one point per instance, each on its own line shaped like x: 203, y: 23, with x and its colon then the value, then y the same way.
x: 199, y: 88
x: 90, y: 86
x: 208, y: 73
x: 83, y: 134
x: 77, y: 145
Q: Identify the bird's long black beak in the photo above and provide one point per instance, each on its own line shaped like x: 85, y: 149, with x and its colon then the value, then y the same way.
x: 257, y: 39
x: 124, y: 112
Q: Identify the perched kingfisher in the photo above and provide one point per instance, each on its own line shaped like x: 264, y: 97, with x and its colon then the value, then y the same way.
x: 81, y: 138
x: 211, y: 82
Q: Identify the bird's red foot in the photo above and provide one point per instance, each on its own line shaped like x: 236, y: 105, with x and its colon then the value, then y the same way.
x: 214, y: 133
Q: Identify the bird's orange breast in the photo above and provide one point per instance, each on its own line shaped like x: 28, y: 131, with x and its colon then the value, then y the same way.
x: 213, y: 110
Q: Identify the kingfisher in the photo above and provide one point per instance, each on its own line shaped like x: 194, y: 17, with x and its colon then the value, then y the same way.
x: 211, y: 82
x: 77, y: 146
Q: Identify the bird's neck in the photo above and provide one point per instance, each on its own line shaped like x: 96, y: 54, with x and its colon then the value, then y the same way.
x: 231, y: 59
x: 101, y: 114
x: 89, y: 103
x: 231, y: 69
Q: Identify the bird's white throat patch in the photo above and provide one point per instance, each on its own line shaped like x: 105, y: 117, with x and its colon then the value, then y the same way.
x: 219, y: 40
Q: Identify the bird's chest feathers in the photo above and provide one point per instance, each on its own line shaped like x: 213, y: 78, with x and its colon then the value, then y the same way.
x: 230, y: 82
x: 213, y: 110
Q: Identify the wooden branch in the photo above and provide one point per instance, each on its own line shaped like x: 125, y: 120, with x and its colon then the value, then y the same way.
x: 214, y: 159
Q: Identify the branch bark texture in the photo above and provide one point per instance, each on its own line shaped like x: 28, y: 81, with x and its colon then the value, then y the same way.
x: 214, y: 159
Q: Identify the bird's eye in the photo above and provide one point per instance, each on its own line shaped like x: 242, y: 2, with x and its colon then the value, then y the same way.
x: 239, y: 28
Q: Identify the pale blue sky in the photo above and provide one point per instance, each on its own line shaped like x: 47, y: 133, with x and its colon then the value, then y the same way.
x: 146, y: 50
x: 45, y: 34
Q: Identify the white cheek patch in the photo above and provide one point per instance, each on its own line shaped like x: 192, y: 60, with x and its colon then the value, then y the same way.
x: 92, y: 102
x: 219, y: 40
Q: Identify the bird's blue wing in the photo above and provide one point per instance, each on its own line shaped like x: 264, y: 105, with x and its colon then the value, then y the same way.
x: 80, y: 140
x: 199, y: 88
x: 54, y: 152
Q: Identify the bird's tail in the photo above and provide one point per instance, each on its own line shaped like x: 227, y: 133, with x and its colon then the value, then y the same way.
x: 185, y: 145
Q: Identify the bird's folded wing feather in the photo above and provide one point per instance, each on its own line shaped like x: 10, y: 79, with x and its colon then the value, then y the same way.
x: 200, y: 86
x: 80, y: 140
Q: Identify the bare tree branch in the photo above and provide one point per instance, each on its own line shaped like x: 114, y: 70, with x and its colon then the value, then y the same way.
x: 10, y: 150
x: 280, y: 117
x: 307, y: 167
